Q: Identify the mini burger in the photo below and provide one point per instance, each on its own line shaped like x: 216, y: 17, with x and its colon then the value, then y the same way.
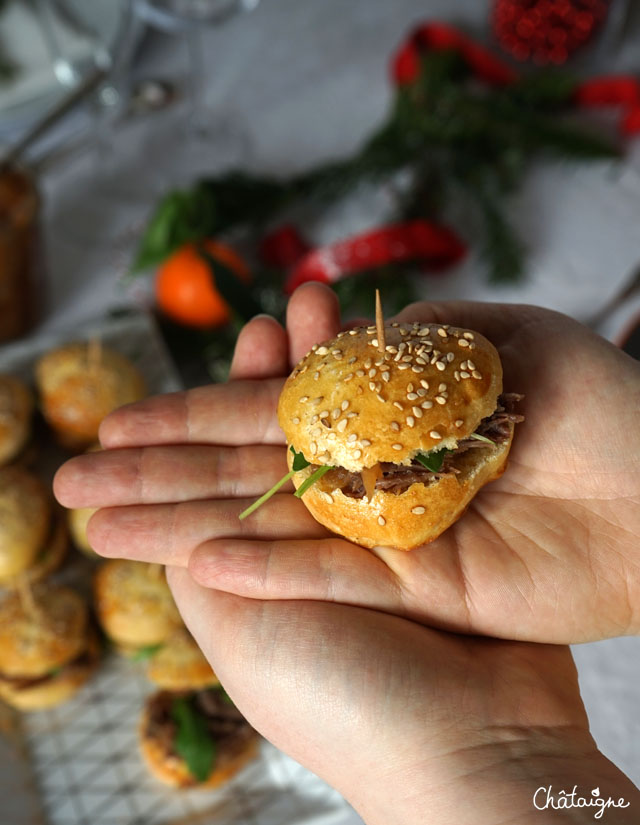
x: 134, y: 605
x: 47, y: 649
x: 179, y: 664
x: 197, y: 739
x: 392, y: 432
x: 33, y: 536
x: 16, y: 412
x: 81, y: 383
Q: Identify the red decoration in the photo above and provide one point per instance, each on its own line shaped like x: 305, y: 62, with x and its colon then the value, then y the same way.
x: 609, y: 90
x: 630, y: 124
x: 283, y: 247
x: 417, y: 240
x: 546, y: 31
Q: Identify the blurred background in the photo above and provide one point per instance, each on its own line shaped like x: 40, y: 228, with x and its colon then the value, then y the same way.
x: 189, y: 162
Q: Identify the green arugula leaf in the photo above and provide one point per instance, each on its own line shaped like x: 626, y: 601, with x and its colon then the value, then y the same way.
x: 316, y: 475
x: 193, y: 742
x: 299, y: 461
x: 484, y: 438
x: 146, y: 652
x: 433, y: 461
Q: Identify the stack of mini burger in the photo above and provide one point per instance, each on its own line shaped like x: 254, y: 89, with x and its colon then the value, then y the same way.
x: 47, y: 648
x: 191, y: 734
x: 16, y: 412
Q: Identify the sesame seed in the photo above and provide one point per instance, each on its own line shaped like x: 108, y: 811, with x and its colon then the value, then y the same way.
x: 420, y: 360
x: 459, y: 422
x: 318, y: 399
x: 424, y: 331
x: 341, y: 426
x: 424, y: 383
x: 327, y: 497
x: 353, y: 332
x: 295, y: 420
x: 324, y: 414
x: 360, y: 373
x: 352, y: 360
x: 412, y: 396
x: 379, y: 362
x: 374, y: 342
x: 391, y: 348
x: 409, y: 387
x: 381, y: 521
x: 442, y: 332
x: 352, y: 415
x: 344, y: 405
x: 322, y: 351
x: 417, y: 412
x: 337, y: 354
x: 365, y: 442
x: 470, y: 364
x: 398, y: 405
x: 357, y: 454
x: 418, y: 511
x: 450, y: 357
x: 469, y: 335
x: 440, y: 399
x: 397, y: 446
x: 367, y: 363
x: 403, y: 331
x: 463, y: 365
x: 316, y: 431
x: 417, y: 369
x: 372, y: 386
x: 372, y: 372
x: 314, y: 348
x: 385, y: 376
x: 348, y: 377
x: 304, y: 399
x: 465, y: 374
x: 411, y: 422
x: 456, y: 375
x: 353, y: 437
x: 403, y: 366
x: 314, y: 419
x: 335, y: 413
x: 440, y: 366
x: 313, y: 447
x: 476, y: 374
x: 462, y: 342
x: 442, y: 387
x: 316, y: 375
x: 426, y: 405
x: 421, y: 393
x: 380, y: 398
x: 395, y: 426
x: 435, y: 434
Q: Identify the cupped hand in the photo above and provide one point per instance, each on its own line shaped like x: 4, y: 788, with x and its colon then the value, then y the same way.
x: 401, y: 719
x: 550, y: 552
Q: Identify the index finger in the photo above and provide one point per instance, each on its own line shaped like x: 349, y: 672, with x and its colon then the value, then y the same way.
x: 238, y: 413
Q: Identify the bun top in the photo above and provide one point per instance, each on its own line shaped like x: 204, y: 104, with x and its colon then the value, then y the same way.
x: 81, y: 383
x: 16, y: 407
x: 32, y: 645
x: 25, y: 509
x: 348, y: 404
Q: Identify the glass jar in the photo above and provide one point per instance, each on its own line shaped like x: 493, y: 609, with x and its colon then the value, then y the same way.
x: 19, y: 259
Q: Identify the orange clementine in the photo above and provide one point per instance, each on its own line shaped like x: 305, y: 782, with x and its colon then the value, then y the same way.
x: 185, y: 286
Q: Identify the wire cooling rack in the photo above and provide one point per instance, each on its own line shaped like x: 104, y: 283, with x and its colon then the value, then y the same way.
x: 79, y: 764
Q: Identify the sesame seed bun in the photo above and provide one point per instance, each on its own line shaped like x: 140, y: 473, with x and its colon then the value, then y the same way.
x: 16, y: 409
x: 134, y: 604
x: 348, y: 404
x: 51, y: 555
x: 172, y: 769
x: 78, y: 520
x: 80, y: 384
x: 34, y: 644
x: 25, y: 510
x: 60, y: 687
x: 181, y: 665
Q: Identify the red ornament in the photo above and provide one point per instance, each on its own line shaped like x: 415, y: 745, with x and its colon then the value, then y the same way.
x: 547, y: 31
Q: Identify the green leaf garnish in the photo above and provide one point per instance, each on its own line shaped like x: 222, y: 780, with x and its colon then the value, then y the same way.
x: 299, y: 461
x: 484, y: 438
x: 146, y: 652
x: 309, y: 482
x: 193, y: 742
x: 433, y: 461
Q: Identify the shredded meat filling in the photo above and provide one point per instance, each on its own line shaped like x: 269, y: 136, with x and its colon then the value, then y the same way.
x: 397, y: 478
x: 224, y: 722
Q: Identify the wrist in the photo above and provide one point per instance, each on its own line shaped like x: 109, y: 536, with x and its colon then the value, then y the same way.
x: 531, y: 779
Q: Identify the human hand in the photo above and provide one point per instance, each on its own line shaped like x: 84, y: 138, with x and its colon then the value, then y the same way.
x: 406, y: 722
x: 546, y: 553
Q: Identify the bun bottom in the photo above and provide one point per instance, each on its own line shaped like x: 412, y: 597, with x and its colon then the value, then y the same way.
x: 410, y: 519
x: 181, y: 665
x: 56, y: 690
x: 172, y: 770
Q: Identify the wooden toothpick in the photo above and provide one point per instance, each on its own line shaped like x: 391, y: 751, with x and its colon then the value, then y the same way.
x: 380, y: 323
